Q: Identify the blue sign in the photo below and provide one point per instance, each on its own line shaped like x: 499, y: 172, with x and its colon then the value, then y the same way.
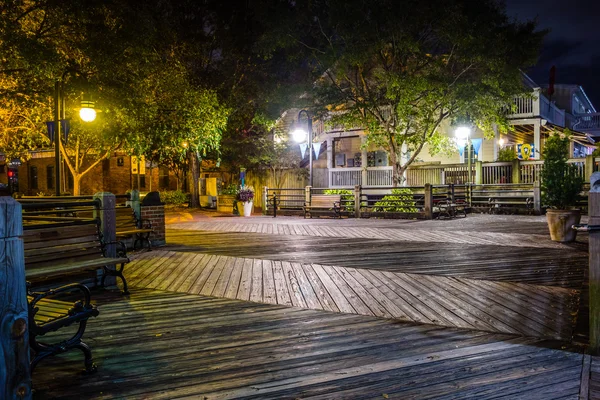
x: 525, y: 151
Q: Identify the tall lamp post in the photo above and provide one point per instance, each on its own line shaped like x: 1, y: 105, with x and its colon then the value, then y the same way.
x: 87, y: 113
x: 301, y: 135
x: 463, y: 134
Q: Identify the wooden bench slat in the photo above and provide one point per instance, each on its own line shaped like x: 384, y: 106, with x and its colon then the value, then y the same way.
x: 65, y: 269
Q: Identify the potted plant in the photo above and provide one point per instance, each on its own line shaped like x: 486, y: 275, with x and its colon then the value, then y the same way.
x: 561, y: 185
x: 245, y: 195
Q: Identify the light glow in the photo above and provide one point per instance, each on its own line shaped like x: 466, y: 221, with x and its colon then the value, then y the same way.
x: 462, y: 132
x: 501, y: 142
x: 299, y: 135
x: 87, y: 114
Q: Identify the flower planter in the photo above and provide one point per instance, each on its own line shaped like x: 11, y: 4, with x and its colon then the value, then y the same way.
x: 560, y: 222
x: 225, y: 203
x: 247, y: 208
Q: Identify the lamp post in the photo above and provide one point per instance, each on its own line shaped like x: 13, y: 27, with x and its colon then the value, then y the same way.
x: 463, y: 134
x: 87, y: 113
x: 300, y: 135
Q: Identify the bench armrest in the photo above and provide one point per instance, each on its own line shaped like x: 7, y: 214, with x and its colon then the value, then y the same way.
x: 37, y: 296
x: 121, y: 248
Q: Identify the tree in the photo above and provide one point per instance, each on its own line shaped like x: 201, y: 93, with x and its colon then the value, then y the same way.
x: 401, y: 69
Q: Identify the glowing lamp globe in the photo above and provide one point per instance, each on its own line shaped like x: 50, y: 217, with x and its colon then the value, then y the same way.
x: 299, y: 135
x: 87, y: 114
x: 462, y: 132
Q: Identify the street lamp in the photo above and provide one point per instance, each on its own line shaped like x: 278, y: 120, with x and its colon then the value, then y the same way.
x: 87, y: 113
x: 463, y: 136
x: 300, y: 135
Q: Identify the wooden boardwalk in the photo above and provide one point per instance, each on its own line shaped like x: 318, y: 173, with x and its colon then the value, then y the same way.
x: 164, y: 345
x: 261, y: 308
x: 529, y: 310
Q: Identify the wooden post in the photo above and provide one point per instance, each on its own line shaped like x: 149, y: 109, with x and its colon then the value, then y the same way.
x: 478, y: 172
x: 134, y: 202
x: 589, y: 167
x: 516, y: 171
x: 265, y: 196
x: 307, y: 195
x: 108, y: 226
x: 15, y: 376
x: 594, y: 263
x: 537, y: 198
x: 357, y: 195
x: 428, y: 208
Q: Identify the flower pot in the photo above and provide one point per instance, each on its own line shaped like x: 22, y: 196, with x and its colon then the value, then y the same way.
x: 247, y: 208
x: 225, y: 203
x: 560, y: 222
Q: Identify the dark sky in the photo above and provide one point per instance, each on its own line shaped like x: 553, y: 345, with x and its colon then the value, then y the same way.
x: 573, y: 44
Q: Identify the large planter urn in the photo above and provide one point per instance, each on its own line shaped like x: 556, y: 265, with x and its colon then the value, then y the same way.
x: 247, y: 208
x: 560, y: 223
x: 225, y: 203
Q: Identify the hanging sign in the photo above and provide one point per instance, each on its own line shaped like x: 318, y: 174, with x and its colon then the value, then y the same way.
x: 476, y: 143
x: 525, y: 151
x: 317, y: 147
x: 141, y: 163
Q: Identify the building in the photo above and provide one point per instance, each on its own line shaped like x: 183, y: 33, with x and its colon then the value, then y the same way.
x: 346, y: 162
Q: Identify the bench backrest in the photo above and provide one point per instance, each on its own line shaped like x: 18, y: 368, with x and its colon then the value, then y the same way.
x: 324, y: 200
x: 52, y: 245
x: 126, y: 218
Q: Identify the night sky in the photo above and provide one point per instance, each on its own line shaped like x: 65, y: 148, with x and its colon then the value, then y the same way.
x: 573, y: 44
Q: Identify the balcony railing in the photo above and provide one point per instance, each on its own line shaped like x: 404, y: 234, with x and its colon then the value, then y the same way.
x: 349, y: 177
x: 537, y: 106
x: 588, y: 123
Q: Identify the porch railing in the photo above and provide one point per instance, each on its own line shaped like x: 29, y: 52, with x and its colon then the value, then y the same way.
x: 350, y: 177
x: 588, y: 122
x: 496, y: 172
x: 537, y: 105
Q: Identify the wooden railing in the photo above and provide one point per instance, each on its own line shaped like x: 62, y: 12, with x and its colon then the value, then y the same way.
x: 496, y: 172
x: 587, y: 122
x: 530, y: 171
x: 537, y: 105
x: 350, y: 177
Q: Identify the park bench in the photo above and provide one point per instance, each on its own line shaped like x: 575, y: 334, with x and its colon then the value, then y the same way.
x: 56, y: 249
x: 323, y: 203
x: 129, y: 225
x: 47, y: 314
x: 510, y: 202
x: 450, y: 209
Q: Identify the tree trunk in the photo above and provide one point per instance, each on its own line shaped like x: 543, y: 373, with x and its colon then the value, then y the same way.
x: 77, y: 184
x: 195, y: 174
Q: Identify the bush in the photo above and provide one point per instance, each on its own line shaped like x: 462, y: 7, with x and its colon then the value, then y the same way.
x: 347, y: 197
x: 230, y: 190
x: 560, y: 184
x: 401, y: 200
x: 175, y: 197
x: 506, y: 154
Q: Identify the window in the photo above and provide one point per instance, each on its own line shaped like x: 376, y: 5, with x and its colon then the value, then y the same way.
x: 50, y: 177
x: 2, y: 168
x: 163, y: 173
x: 33, y: 177
x: 143, y: 181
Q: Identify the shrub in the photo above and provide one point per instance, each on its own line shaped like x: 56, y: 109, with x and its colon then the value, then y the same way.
x: 347, y: 197
x: 401, y: 200
x: 175, y: 197
x: 230, y: 190
x: 506, y: 154
x: 560, y: 184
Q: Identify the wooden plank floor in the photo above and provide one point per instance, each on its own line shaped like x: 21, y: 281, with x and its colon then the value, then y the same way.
x: 516, y: 308
x: 165, y: 345
x: 347, y: 230
x: 548, y: 266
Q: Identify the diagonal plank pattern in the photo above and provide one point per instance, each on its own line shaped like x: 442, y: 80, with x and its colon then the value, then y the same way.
x: 404, y: 235
x: 514, y: 308
x: 164, y: 345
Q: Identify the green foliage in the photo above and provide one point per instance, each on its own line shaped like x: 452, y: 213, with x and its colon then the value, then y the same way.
x: 560, y: 182
x: 347, y: 197
x: 506, y: 154
x: 174, y: 197
x: 405, y: 72
x: 401, y: 200
x: 229, y: 190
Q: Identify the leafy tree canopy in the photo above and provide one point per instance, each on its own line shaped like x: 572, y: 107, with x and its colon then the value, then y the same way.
x: 401, y: 69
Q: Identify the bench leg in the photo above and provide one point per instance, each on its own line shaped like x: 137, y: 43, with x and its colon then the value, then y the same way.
x: 43, y: 350
x: 118, y: 273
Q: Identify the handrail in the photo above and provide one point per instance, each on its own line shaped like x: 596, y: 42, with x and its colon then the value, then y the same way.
x: 38, y: 205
